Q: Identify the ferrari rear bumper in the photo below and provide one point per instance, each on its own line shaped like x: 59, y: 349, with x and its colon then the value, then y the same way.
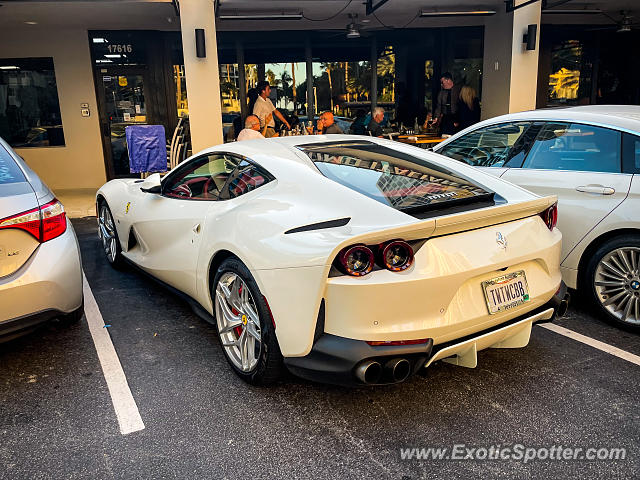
x: 345, y: 361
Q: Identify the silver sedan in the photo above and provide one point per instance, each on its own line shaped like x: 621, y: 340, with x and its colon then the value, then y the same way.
x: 40, y: 269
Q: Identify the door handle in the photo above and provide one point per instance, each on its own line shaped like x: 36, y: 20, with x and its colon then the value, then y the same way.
x: 599, y: 189
x: 196, y: 228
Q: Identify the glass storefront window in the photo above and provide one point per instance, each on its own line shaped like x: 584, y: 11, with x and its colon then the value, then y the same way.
x: 342, y: 87
x: 569, y: 80
x: 181, y: 90
x: 118, y: 48
x: 29, y: 106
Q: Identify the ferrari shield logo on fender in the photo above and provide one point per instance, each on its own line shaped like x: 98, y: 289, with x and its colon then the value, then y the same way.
x: 501, y: 240
x: 126, y: 210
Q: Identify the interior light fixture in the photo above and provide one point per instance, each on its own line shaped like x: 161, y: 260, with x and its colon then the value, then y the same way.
x: 31, y: 23
x: 264, y: 16
x: 9, y: 67
x: 460, y: 13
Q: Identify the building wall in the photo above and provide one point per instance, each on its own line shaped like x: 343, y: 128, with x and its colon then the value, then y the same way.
x: 524, y: 63
x: 80, y: 163
x: 496, y: 68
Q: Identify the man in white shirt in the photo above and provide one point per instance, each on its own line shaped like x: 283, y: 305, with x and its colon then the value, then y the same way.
x: 264, y: 107
x: 252, y: 128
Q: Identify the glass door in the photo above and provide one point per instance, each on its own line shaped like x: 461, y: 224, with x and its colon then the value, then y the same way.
x: 123, y: 104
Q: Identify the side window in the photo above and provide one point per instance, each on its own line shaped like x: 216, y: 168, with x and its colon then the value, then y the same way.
x: 492, y: 146
x: 631, y: 153
x: 201, y: 179
x: 246, y: 178
x: 9, y: 170
x: 574, y: 146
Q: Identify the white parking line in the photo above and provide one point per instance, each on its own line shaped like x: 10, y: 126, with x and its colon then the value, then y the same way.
x: 605, y: 347
x: 123, y: 403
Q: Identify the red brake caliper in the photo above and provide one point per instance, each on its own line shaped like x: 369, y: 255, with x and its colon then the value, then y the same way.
x: 237, y: 329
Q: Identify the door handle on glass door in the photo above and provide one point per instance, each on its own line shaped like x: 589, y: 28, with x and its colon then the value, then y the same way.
x: 599, y: 189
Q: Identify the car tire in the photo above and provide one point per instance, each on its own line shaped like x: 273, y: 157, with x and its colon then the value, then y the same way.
x: 612, y: 281
x: 242, y: 317
x: 108, y: 235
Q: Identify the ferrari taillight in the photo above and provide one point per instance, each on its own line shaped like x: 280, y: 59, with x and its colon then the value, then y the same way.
x: 356, y: 260
x: 44, y: 223
x: 359, y: 260
x: 550, y: 216
x: 396, y: 255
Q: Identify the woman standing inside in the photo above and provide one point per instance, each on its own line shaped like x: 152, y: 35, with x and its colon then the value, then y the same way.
x: 468, y: 108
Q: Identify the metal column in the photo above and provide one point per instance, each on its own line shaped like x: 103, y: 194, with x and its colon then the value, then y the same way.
x: 309, y: 60
x: 374, y: 73
x: 242, y: 94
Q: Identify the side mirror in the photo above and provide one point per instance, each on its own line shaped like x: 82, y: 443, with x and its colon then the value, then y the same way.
x: 152, y: 184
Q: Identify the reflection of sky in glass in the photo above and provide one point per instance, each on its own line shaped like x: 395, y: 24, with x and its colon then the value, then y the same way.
x: 359, y: 179
x: 9, y: 172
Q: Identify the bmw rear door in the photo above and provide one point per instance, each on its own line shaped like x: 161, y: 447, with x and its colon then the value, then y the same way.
x: 582, y: 165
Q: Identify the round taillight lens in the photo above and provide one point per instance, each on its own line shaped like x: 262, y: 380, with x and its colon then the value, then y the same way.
x: 397, y: 256
x: 356, y: 260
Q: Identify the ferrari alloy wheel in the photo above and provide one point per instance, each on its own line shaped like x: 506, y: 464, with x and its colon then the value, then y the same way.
x: 108, y: 235
x: 238, y: 322
x: 614, y: 274
x: 244, y: 325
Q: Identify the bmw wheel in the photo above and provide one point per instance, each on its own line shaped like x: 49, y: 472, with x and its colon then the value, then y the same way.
x: 245, y: 327
x: 613, y: 279
x: 109, y: 236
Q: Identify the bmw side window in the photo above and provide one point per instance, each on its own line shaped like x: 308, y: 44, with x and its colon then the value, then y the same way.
x: 492, y: 146
x: 202, y: 179
x: 246, y: 178
x: 631, y: 153
x: 577, y: 147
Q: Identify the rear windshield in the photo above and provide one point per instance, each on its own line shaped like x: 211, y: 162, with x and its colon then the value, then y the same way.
x: 397, y: 179
x: 9, y: 170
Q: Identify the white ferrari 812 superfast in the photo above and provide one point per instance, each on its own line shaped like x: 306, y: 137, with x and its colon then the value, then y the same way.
x: 346, y: 259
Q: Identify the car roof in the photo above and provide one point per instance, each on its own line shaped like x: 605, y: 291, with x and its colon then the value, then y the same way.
x: 623, y: 117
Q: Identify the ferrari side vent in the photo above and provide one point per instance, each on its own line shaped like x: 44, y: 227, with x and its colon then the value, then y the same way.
x: 133, y: 241
x: 319, y: 323
x: 340, y: 222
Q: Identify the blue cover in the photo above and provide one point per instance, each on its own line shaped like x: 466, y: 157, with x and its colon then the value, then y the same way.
x: 147, y: 148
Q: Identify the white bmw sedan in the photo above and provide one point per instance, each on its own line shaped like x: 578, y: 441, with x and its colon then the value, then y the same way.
x: 590, y: 158
x: 347, y: 260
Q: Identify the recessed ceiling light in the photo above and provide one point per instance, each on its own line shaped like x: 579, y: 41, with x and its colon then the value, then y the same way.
x: 31, y: 23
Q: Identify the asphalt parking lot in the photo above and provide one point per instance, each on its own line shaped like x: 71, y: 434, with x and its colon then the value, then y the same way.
x: 57, y: 416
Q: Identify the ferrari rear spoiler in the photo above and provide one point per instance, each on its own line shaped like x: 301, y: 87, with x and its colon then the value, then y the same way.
x: 459, y: 222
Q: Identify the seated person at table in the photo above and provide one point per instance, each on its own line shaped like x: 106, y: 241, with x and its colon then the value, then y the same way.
x: 252, y: 128
x: 377, y: 116
x: 327, y: 126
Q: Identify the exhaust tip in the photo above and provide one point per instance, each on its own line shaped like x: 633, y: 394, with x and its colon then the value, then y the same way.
x: 369, y: 372
x: 399, y: 369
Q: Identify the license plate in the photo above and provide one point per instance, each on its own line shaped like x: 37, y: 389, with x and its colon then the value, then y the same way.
x: 506, y: 292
